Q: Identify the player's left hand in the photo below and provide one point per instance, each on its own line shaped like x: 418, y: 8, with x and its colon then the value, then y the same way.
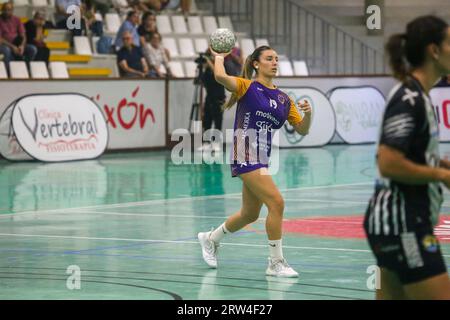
x: 305, y: 107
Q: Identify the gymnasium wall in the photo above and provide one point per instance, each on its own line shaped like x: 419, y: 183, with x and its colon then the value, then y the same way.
x: 140, y: 112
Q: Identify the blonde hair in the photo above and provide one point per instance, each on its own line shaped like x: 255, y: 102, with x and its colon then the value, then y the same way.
x: 247, y: 72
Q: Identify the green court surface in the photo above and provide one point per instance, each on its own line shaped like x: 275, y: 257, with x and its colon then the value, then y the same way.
x: 129, y: 222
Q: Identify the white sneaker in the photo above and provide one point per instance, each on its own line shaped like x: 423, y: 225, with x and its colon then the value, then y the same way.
x: 280, y: 268
x: 209, y: 249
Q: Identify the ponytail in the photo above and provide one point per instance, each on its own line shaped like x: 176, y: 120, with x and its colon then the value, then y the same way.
x: 395, y: 48
x: 408, y: 51
x: 247, y: 72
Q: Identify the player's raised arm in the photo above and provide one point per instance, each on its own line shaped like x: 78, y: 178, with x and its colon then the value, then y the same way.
x: 229, y: 82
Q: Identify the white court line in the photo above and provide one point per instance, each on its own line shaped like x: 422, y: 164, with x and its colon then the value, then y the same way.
x: 327, y: 201
x: 149, y: 215
x: 178, y: 242
x: 168, y: 201
x: 170, y: 241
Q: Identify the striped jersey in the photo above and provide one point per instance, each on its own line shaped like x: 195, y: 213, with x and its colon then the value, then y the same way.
x: 409, y: 125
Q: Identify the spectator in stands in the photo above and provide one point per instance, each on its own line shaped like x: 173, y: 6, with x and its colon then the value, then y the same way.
x: 158, y: 5
x: 35, y: 34
x: 122, y: 6
x: 13, y: 39
x: 90, y: 22
x: 130, y: 25
x: 61, y: 14
x: 147, y: 27
x: 101, y: 6
x: 130, y: 59
x: 444, y: 82
x: 183, y: 5
x: 157, y: 56
x: 234, y: 61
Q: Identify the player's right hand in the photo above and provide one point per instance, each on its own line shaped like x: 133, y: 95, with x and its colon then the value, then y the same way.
x: 445, y: 177
x: 215, y: 54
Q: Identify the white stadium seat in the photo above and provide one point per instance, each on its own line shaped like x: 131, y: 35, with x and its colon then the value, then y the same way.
x: 21, y: 2
x: 179, y: 25
x: 210, y: 24
x: 171, y: 45
x: 163, y: 24
x: 82, y: 46
x: 195, y: 25
x: 18, y: 70
x: 112, y: 21
x: 225, y: 22
x: 201, y: 45
x: 247, y: 46
x: 300, y: 68
x: 39, y: 3
x: 177, y: 69
x: 285, y: 68
x: 191, y: 69
x: 94, y: 44
x: 186, y: 48
x: 58, y: 70
x: 98, y: 16
x: 39, y: 70
x: 261, y: 42
x: 3, y: 73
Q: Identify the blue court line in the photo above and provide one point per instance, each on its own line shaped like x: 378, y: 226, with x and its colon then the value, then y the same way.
x: 39, y: 253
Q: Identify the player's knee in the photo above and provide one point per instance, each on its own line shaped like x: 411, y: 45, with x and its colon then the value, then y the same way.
x: 276, y: 205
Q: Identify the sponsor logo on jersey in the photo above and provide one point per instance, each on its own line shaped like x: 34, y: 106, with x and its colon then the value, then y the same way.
x: 430, y: 243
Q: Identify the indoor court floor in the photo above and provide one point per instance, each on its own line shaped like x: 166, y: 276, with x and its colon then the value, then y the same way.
x: 129, y: 222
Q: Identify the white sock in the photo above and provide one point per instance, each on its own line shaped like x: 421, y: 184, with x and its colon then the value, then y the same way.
x: 218, y: 234
x: 276, y: 249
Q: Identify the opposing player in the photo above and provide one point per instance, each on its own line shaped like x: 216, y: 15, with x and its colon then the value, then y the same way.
x: 262, y: 108
x: 405, y: 207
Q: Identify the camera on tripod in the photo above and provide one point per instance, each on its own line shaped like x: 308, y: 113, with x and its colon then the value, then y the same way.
x: 201, y: 59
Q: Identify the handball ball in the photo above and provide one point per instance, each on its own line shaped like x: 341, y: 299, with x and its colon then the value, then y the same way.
x: 222, y: 40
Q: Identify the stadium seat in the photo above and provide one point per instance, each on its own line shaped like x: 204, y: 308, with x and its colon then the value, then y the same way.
x: 163, y: 24
x: 18, y: 70
x: 82, y: 46
x: 285, y: 68
x: 39, y: 3
x: 98, y: 16
x: 186, y: 48
x: 112, y: 21
x: 3, y: 73
x: 210, y: 24
x: 39, y: 70
x: 300, y: 68
x: 21, y: 3
x: 195, y: 25
x: 94, y: 41
x: 261, y: 42
x: 247, y: 46
x: 179, y: 25
x: 191, y: 69
x: 58, y: 70
x: 177, y: 69
x: 201, y: 45
x: 171, y: 45
x: 225, y: 22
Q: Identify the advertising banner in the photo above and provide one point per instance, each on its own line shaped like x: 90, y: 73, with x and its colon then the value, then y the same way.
x: 440, y: 97
x: 323, y: 119
x: 358, y: 113
x: 59, y: 127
